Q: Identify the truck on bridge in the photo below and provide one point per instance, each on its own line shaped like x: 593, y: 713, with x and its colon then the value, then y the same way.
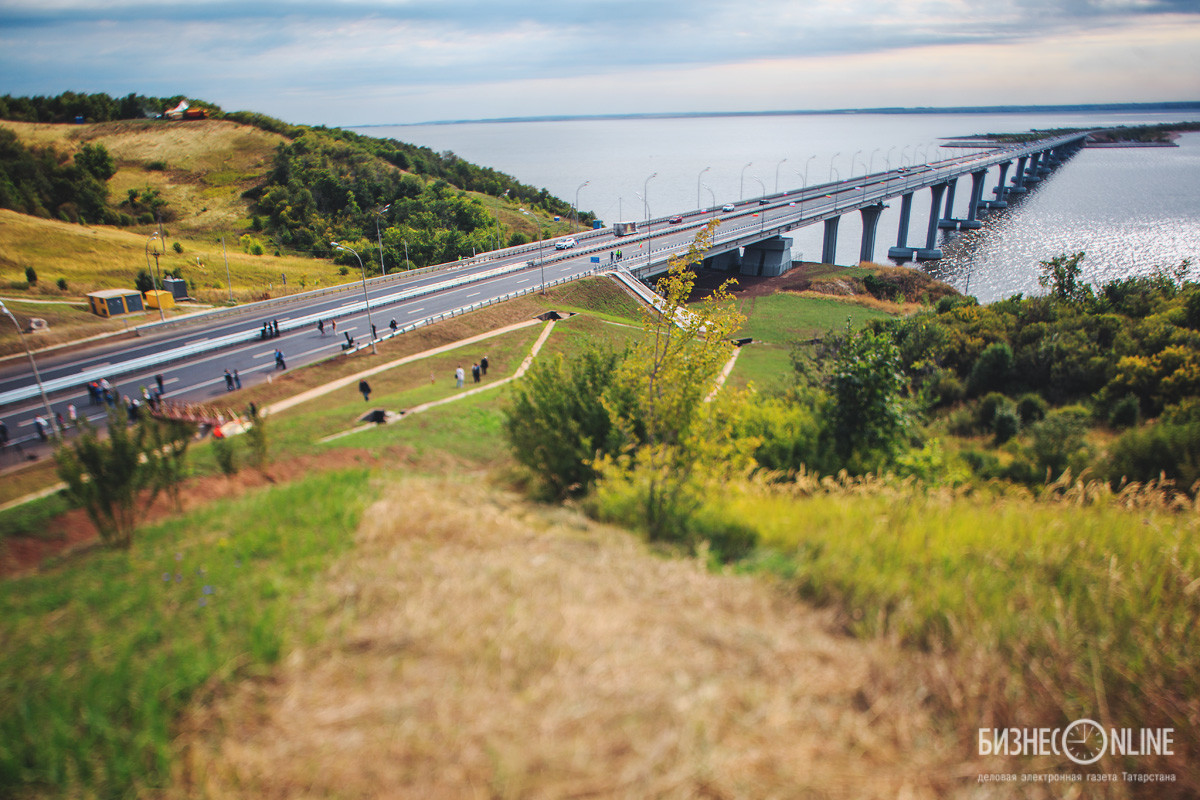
x: 624, y: 228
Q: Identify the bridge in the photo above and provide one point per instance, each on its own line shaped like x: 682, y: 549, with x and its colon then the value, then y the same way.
x: 191, y: 354
x: 752, y: 238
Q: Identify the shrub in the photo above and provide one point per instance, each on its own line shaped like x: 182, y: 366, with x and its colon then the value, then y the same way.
x: 177, y: 247
x: 1057, y: 442
x: 61, y: 283
x: 985, y: 412
x: 1166, y: 449
x: 156, y: 166
x: 1006, y: 424
x: 945, y: 389
x: 224, y: 455
x: 1126, y: 413
x: 992, y: 369
x: 31, y: 276
x: 1031, y: 408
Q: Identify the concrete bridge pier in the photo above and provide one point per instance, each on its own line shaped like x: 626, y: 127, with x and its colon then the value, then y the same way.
x: 768, y: 258
x: 972, y: 221
x: 870, y: 221
x: 948, y: 221
x: 902, y: 252
x: 1032, y: 171
x: 829, y: 248
x: 1001, y: 190
x: 1018, y: 181
x: 929, y: 252
x: 728, y: 261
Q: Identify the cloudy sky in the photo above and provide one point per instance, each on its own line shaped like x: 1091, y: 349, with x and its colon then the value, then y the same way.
x: 350, y: 62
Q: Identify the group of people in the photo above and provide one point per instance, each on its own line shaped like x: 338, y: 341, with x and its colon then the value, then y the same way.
x: 269, y: 329
x: 615, y: 255
x: 233, y: 380
x: 478, y: 372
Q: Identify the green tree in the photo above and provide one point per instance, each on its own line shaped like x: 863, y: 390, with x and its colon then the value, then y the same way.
x: 96, y: 161
x: 668, y: 375
x: 1061, y: 276
x: 868, y: 420
x: 558, y: 422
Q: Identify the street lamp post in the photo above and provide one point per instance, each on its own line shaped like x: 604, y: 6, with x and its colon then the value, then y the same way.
x: 698, y: 177
x: 576, y: 208
x: 37, y: 376
x: 646, y: 203
x: 712, y: 196
x: 366, y: 298
x: 831, y: 160
x: 379, y: 213
x: 762, y: 214
x: 777, y: 166
x: 157, y: 279
x: 742, y: 182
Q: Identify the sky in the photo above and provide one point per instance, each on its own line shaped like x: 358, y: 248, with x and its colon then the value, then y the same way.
x: 362, y: 62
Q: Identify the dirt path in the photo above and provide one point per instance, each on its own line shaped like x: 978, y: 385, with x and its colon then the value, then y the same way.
x: 482, y: 647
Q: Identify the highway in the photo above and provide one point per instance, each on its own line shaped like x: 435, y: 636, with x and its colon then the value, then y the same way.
x: 192, y: 355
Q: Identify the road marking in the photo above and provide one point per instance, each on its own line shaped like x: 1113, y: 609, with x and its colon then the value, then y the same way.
x: 474, y: 294
x: 522, y: 280
x: 415, y: 310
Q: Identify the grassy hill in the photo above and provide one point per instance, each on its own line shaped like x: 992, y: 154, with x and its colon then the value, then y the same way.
x: 202, y: 169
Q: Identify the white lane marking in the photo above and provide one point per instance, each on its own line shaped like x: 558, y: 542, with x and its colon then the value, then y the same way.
x: 415, y: 310
x: 522, y: 280
x: 474, y: 294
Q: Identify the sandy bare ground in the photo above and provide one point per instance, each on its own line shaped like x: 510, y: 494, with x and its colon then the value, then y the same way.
x: 479, y: 646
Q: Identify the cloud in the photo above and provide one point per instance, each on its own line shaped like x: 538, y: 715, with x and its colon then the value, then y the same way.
x: 328, y: 51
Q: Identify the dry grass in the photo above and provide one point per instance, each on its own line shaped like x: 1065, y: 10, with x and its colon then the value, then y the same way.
x: 480, y: 647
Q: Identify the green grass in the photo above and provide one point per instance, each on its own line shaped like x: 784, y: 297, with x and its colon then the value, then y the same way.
x: 102, y: 653
x: 784, y: 318
x: 1055, y: 611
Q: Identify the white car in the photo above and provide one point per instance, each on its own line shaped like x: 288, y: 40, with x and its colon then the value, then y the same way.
x: 564, y: 244
x: 727, y: 207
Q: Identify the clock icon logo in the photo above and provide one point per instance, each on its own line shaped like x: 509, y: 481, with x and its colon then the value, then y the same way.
x: 1084, y: 741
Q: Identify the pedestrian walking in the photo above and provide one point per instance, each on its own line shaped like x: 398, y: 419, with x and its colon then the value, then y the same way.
x: 279, y: 363
x: 93, y: 393
x: 275, y: 324
x: 333, y: 325
x: 72, y: 415
x: 483, y: 365
x: 321, y: 326
x: 39, y: 422
x: 159, y: 380
x: 237, y: 379
x: 374, y: 333
x: 229, y: 380
x: 3, y: 434
x: 475, y: 373
x: 393, y: 325
x: 58, y: 421
x: 365, y: 388
x: 459, y: 375
x: 349, y: 339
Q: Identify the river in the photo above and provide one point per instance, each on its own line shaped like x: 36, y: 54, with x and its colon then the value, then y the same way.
x: 1129, y: 209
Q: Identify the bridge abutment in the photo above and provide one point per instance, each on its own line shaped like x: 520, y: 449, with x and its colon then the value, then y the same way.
x: 768, y: 258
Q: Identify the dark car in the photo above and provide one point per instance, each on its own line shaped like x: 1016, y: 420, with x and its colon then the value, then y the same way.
x: 675, y: 220
x: 762, y: 201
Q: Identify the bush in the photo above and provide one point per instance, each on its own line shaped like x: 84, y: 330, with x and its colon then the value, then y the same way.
x: 1166, y: 449
x: 989, y: 406
x: 1031, y: 408
x: 31, y: 276
x: 224, y: 455
x: 1126, y: 413
x: 992, y: 369
x: 1057, y: 442
x: 177, y: 247
x: 61, y: 283
x: 1006, y: 424
x: 945, y: 389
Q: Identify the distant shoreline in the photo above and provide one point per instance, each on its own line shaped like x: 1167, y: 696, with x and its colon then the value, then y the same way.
x: 1143, y: 108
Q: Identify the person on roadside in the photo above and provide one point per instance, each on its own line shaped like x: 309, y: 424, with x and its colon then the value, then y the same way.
x: 365, y: 388
x: 321, y: 326
x: 475, y: 373
x: 237, y: 380
x: 459, y: 376
x: 483, y: 365
x: 39, y: 423
x: 229, y: 380
x: 279, y: 363
x: 3, y: 434
x: 393, y: 325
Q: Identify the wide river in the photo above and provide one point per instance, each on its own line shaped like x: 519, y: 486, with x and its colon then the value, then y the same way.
x: 1128, y: 209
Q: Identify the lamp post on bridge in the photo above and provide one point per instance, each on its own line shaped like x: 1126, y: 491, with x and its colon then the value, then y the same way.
x: 762, y: 214
x: 379, y: 212
x: 777, y: 166
x: 831, y: 170
x: 575, y: 208
x: 37, y: 376
x: 712, y: 196
x: 366, y: 298
x: 698, y: 177
x: 646, y: 203
x: 742, y: 183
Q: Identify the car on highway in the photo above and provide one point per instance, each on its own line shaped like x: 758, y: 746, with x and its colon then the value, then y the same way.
x: 727, y: 207
x: 564, y: 244
x: 675, y: 220
x: 762, y: 201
